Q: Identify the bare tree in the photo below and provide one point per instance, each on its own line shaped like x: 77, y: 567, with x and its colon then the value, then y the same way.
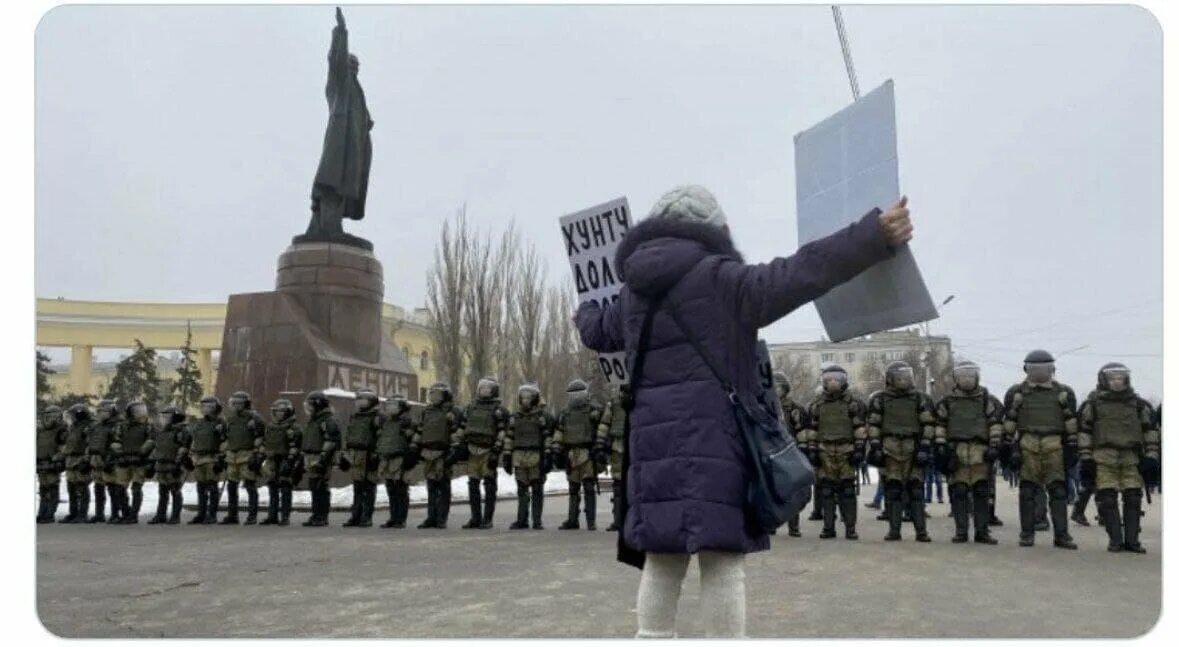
x: 528, y: 301
x: 803, y: 377
x: 484, y: 305
x: 506, y: 265
x: 446, y: 282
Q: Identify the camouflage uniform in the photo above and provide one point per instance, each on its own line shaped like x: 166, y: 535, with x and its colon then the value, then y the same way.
x: 359, y: 445
x: 481, y: 438
x: 1117, y: 432
x: 397, y: 448
x: 528, y: 439
x: 169, y: 449
x: 206, y: 437
x: 574, y: 436
x: 901, y: 428
x: 1040, y: 425
x: 98, y: 450
x: 77, y: 465
x: 834, y: 436
x: 243, y: 460
x: 130, y: 448
x: 281, y: 470
x: 321, y: 440
x: 435, y: 426
x: 611, y: 437
x: 966, y: 442
x: 50, y: 439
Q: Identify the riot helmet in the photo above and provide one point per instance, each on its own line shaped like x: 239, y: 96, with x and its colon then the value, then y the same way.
x: 966, y: 375
x: 1040, y: 366
x: 1114, y: 376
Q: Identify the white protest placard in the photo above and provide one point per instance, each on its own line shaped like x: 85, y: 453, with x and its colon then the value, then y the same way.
x: 591, y: 237
x: 844, y: 166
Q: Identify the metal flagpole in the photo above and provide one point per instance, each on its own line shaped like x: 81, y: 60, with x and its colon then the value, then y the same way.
x: 847, y: 59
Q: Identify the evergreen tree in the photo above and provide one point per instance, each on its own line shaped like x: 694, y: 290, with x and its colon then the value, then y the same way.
x: 135, y: 378
x: 186, y: 389
x: 43, y: 373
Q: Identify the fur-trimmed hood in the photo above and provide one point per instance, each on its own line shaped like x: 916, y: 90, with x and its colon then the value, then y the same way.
x: 658, y: 251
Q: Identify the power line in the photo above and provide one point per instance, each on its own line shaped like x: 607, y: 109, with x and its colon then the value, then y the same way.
x: 1070, y: 321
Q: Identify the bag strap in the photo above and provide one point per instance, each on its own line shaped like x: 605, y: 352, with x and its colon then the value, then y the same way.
x: 700, y: 350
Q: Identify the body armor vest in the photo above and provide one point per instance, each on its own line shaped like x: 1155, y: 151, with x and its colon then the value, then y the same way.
x: 578, y: 429
x: 239, y: 434
x: 1040, y: 412
x: 134, y: 435
x: 617, y: 420
x: 1116, y: 423
x: 313, y: 437
x: 167, y: 444
x: 75, y: 439
x: 204, y: 436
x: 480, y: 427
x: 391, y: 440
x: 435, y: 428
x: 47, y: 442
x: 276, y: 439
x: 901, y: 417
x: 834, y: 424
x: 361, y: 432
x: 528, y: 432
x: 967, y: 418
x: 99, y: 438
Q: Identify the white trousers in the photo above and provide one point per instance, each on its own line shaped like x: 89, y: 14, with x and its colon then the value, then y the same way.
x: 722, y: 593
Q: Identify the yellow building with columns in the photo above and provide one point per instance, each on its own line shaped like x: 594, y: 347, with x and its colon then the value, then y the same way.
x: 83, y: 326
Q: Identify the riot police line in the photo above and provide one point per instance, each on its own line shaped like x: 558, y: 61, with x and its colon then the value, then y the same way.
x: 1112, y: 438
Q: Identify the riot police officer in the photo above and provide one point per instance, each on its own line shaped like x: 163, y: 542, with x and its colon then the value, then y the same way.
x: 967, y: 440
x: 1119, y: 454
x: 1041, y: 431
x: 835, y: 440
x: 51, y: 432
x: 611, y: 434
x: 574, y: 437
x: 129, y: 451
x: 435, y: 427
x: 243, y: 460
x: 205, y: 459
x: 281, y: 466
x: 480, y: 438
x: 169, y: 447
x: 398, y: 452
x: 321, y: 440
x: 528, y: 454
x: 794, y: 416
x: 360, y: 459
x: 79, y: 421
x: 901, y: 434
x: 98, y: 450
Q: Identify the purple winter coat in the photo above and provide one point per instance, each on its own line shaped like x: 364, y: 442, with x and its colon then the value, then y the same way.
x: 686, y: 483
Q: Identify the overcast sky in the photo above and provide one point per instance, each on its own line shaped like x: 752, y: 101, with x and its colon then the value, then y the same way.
x: 176, y: 147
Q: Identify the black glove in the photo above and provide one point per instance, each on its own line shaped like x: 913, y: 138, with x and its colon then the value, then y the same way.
x: 1015, y: 458
x: 149, y: 471
x: 561, y: 460
x: 1087, y: 473
x: 176, y: 471
x: 921, y: 458
x: 990, y: 455
x: 451, y: 458
x: 875, y: 456
x: 108, y: 467
x: 814, y: 457
x: 546, y: 462
x: 507, y: 463
x: 373, y: 463
x: 123, y: 460
x: 84, y: 467
x: 1070, y: 455
x: 600, y: 456
x: 219, y: 465
x: 255, y: 462
x: 297, y: 469
x: 1151, y: 470
x: 187, y: 463
x: 410, y: 460
x: 345, y: 464
x: 493, y: 459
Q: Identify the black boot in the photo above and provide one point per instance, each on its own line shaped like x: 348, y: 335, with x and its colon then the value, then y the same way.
x: 1107, y: 507
x: 161, y: 505
x: 325, y: 502
x: 443, y: 502
x: 573, y: 522
x: 401, y: 494
x: 917, y: 510
x: 231, y: 504
x: 432, y: 495
x: 314, y: 521
x: 1078, y: 515
x: 214, y: 502
x: 1041, y: 510
x: 792, y: 525
x: 537, y: 504
x: 847, y: 510
x: 590, y: 488
x: 75, y: 500
x: 251, y: 502
x: 370, y: 502
x: 982, y: 512
x: 118, y: 498
x: 816, y: 504
x: 286, y: 493
x: 357, y: 503
x: 1058, y: 508
x: 272, y: 503
x: 99, y: 504
x: 1132, y: 519
x: 615, y: 524
x: 475, y: 502
x: 521, y: 522
x: 136, y: 501
x: 202, y: 503
x: 959, y: 512
x: 490, y: 492
x: 43, y: 515
x: 1027, y: 514
x: 389, y: 494
x: 893, y: 502
x: 827, y: 504
x: 177, y: 503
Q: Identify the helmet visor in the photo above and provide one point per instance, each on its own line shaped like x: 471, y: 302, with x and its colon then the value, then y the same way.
x: 1040, y: 371
x: 834, y: 381
x: 435, y: 397
x: 966, y: 377
x: 902, y: 378
x: 1116, y: 378
x: 139, y: 411
x: 208, y: 408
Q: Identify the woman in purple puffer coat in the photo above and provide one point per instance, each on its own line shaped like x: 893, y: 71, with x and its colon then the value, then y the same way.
x: 686, y: 484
